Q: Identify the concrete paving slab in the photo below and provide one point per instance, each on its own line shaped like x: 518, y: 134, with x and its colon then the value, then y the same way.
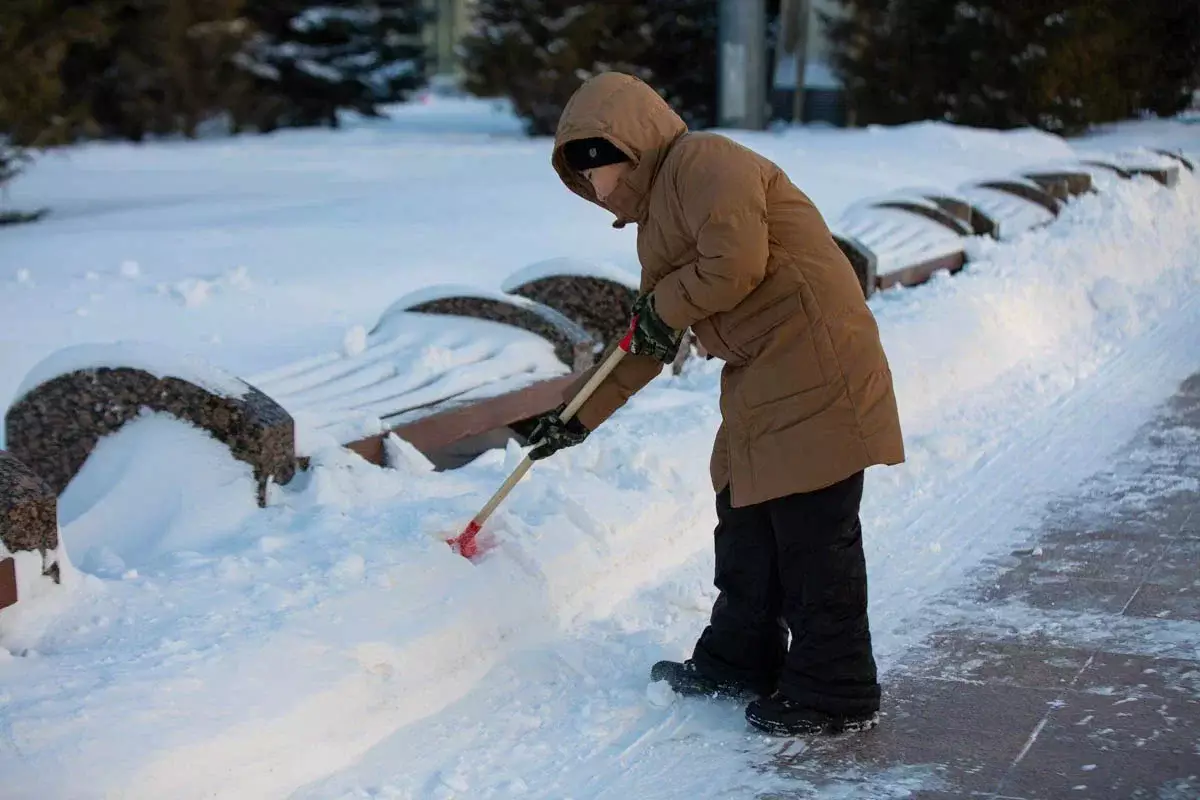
x: 1071, y: 669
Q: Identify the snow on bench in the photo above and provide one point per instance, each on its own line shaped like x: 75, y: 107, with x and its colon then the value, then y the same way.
x: 1128, y: 164
x: 908, y: 247
x: 1012, y: 213
x: 410, y: 366
x: 1176, y: 155
x: 81, y: 393
x: 1062, y: 184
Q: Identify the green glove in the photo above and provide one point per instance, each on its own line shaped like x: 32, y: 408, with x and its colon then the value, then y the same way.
x: 652, y: 336
x: 551, y: 434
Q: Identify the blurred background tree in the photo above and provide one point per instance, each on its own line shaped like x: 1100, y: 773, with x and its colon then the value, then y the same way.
x: 133, y: 69
x: 538, y: 52
x: 1059, y: 65
x: 309, y: 61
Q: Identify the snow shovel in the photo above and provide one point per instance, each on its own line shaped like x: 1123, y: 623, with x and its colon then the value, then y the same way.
x: 464, y: 544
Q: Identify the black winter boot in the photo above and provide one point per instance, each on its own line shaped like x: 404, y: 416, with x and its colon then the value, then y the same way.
x: 686, y: 679
x: 781, y: 716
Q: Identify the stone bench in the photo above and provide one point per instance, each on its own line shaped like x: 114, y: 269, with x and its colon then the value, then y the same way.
x: 28, y: 523
x: 573, y: 344
x: 598, y: 298
x: 79, y: 394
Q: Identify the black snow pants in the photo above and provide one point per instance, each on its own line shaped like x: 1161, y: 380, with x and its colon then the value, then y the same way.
x: 794, y: 564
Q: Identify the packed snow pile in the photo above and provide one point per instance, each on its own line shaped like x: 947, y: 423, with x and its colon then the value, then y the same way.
x: 332, y: 646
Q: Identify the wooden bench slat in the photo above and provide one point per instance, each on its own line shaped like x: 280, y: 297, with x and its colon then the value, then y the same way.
x: 8, y: 582
x: 436, y: 431
x: 443, y: 388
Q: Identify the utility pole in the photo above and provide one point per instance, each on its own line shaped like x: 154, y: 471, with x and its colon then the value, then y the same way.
x: 793, y: 41
x: 741, y: 64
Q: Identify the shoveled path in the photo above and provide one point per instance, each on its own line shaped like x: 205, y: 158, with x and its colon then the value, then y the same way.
x: 1070, y: 670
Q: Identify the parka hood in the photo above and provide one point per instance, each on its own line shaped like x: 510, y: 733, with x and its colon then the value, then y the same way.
x: 631, y: 115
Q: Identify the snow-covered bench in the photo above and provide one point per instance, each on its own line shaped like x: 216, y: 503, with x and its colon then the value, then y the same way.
x: 572, y: 343
x: 452, y: 391
x: 904, y: 237
x: 900, y: 238
x: 71, y: 399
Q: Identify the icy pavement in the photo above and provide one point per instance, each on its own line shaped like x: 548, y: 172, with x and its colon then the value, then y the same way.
x: 1073, y: 667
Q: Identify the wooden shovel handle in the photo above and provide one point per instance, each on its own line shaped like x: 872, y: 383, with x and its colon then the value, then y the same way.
x: 465, y: 543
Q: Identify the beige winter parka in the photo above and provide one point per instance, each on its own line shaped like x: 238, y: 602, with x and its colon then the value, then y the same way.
x: 732, y: 249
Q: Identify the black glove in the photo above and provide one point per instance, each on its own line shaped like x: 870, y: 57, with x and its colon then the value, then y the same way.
x: 652, y: 336
x: 551, y: 434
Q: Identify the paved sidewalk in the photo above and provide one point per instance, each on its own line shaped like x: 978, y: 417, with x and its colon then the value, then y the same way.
x: 1072, y: 671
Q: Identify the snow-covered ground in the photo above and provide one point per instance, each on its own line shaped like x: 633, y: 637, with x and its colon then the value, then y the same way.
x: 331, y: 645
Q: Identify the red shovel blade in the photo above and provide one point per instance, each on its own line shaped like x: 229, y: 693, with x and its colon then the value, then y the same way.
x: 465, y: 544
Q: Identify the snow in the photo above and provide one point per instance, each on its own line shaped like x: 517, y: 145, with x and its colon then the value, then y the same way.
x: 331, y: 645
x: 161, y: 362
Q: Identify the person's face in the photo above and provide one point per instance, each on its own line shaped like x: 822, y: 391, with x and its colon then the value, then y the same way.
x: 605, y: 179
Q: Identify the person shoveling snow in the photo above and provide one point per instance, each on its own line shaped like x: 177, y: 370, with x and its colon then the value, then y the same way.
x: 732, y: 249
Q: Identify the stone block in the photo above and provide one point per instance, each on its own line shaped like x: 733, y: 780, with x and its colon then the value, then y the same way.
x: 861, y: 258
x: 572, y: 345
x: 28, y: 512
x: 600, y: 305
x: 55, y: 425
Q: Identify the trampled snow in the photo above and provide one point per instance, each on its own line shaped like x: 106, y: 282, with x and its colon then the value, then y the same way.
x: 331, y: 645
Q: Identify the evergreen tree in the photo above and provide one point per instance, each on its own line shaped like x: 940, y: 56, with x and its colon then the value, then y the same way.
x: 310, y: 60
x: 1166, y: 34
x: 538, y: 52
x: 1055, y: 64
x: 36, y: 39
x: 166, y: 67
x: 682, y: 57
